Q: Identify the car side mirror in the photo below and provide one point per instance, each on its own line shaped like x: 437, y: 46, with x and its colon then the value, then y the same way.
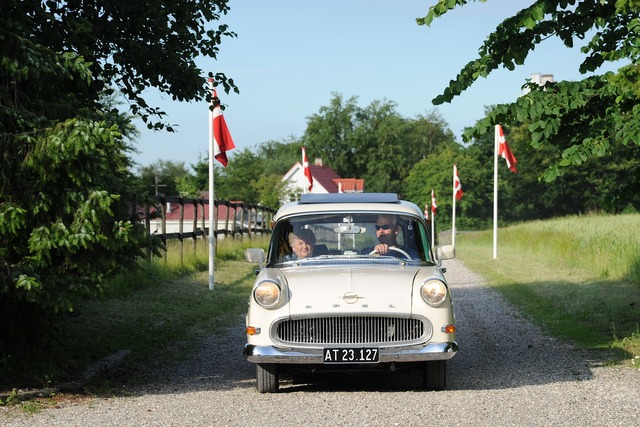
x: 446, y: 252
x: 255, y: 256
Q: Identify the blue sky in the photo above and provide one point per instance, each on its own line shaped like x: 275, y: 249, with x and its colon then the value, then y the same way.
x: 290, y: 56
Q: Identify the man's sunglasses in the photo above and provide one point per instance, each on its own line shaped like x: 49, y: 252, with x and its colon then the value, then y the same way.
x: 384, y: 227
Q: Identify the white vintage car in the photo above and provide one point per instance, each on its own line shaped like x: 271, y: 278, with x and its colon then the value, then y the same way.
x: 350, y: 282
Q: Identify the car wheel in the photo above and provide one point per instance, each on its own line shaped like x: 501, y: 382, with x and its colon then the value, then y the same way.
x: 267, y: 377
x: 434, y: 375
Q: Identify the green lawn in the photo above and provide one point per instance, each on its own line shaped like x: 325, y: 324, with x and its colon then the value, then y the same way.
x: 157, y: 313
x: 577, y: 276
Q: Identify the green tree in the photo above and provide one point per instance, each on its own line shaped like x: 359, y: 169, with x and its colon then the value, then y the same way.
x: 280, y: 156
x: 270, y: 189
x: 600, y: 184
x: 237, y: 180
x: 65, y: 216
x: 374, y: 143
x: 330, y: 135
x: 131, y: 45
x: 585, y: 119
x: 252, y: 175
x: 167, y: 178
x: 66, y: 199
x: 199, y: 181
x: 435, y: 172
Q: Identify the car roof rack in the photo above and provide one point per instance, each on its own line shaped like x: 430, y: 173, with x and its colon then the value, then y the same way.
x: 309, y: 199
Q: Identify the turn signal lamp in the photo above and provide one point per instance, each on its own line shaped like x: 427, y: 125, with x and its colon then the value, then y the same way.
x: 253, y: 330
x: 448, y: 329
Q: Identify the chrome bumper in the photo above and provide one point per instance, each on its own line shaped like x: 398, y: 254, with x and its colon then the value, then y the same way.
x: 270, y: 354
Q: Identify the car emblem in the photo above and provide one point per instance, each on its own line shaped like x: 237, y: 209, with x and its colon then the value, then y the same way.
x: 351, y: 297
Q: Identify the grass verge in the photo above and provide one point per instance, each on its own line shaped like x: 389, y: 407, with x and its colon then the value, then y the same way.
x: 157, y: 313
x: 579, y: 277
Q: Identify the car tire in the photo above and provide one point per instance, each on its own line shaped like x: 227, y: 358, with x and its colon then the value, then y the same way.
x: 434, y: 375
x: 267, y: 377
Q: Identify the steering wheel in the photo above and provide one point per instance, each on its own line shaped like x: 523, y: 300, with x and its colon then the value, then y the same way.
x: 394, y: 248
x: 402, y: 251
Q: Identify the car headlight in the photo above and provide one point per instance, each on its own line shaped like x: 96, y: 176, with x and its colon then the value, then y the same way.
x: 267, y: 294
x: 433, y: 292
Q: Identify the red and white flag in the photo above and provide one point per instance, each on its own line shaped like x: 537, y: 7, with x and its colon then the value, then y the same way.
x: 504, y: 151
x: 222, y: 141
x: 307, y: 170
x: 457, y: 185
x: 433, y: 202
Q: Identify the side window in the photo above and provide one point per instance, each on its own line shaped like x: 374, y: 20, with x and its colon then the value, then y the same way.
x: 279, y: 248
x: 411, y: 238
x: 418, y: 240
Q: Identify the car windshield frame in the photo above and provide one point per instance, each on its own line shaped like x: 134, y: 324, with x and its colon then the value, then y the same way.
x: 349, y: 236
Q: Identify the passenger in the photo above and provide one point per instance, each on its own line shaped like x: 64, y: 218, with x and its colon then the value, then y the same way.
x: 302, y: 243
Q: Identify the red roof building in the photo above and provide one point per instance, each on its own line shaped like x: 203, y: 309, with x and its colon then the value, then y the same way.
x: 230, y: 216
x: 325, y: 180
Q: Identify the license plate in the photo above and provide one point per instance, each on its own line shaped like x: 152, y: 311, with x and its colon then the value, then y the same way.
x: 351, y: 355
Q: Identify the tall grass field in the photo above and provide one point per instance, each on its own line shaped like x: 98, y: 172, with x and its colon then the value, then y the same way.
x: 577, y: 276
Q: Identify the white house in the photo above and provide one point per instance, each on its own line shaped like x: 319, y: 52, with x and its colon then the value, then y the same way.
x: 325, y: 180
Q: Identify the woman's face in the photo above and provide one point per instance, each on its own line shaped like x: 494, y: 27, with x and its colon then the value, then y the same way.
x: 301, y: 248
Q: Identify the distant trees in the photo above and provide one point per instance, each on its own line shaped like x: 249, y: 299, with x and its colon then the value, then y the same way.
x: 254, y: 175
x: 374, y: 143
x: 599, y: 185
x: 166, y: 177
x: 411, y: 156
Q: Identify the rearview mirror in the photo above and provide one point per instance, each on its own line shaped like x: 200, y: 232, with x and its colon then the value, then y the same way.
x: 349, y: 229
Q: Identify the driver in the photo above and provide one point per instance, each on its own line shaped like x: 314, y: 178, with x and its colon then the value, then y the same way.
x: 387, y: 229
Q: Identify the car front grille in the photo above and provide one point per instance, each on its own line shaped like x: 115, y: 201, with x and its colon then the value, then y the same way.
x: 346, y: 330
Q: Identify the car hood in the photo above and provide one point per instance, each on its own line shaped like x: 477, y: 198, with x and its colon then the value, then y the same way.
x: 342, y: 290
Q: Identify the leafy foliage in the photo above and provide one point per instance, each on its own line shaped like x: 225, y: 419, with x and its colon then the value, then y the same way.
x: 389, y: 146
x: 131, y: 45
x: 600, y: 185
x: 65, y: 217
x: 586, y: 119
x: 374, y: 143
x: 67, y: 201
x: 253, y: 176
x: 166, y: 177
x: 426, y: 152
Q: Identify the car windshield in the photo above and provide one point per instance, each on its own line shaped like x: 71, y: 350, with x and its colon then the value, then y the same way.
x: 349, y: 235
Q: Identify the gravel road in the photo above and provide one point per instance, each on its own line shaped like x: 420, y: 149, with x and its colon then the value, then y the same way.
x: 507, y: 373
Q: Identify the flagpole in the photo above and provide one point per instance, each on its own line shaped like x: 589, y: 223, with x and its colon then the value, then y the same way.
x: 495, y: 192
x: 212, y: 237
x: 302, y: 176
x: 433, y: 221
x: 453, y: 213
x: 307, y: 178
